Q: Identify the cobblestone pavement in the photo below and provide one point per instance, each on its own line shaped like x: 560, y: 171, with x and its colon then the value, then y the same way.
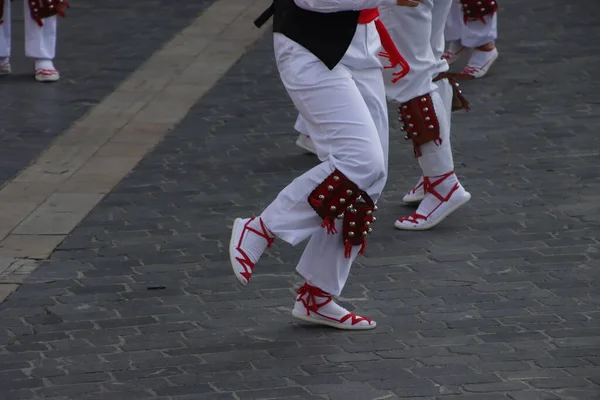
x: 93, y: 59
x: 498, y: 303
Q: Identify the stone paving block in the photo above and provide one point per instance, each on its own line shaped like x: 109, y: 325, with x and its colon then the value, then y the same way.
x: 498, y: 303
x: 6, y: 290
x: 59, y: 214
x: 33, y: 114
x: 37, y: 247
x: 13, y: 213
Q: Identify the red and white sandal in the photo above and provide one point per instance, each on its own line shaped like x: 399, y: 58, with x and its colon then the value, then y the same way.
x: 316, y: 306
x: 46, y: 75
x: 306, y: 144
x: 479, y: 64
x: 435, y: 206
x: 5, y: 68
x: 416, y: 194
x: 249, y: 239
x: 454, y: 52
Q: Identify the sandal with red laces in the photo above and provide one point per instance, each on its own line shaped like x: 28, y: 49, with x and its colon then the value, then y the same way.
x: 435, y: 207
x: 46, y: 75
x: 454, y: 52
x: 5, y: 68
x: 249, y: 239
x: 479, y: 64
x: 416, y: 194
x: 316, y: 306
x: 306, y: 144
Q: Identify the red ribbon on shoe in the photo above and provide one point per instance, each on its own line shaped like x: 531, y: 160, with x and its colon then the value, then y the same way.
x: 391, y: 51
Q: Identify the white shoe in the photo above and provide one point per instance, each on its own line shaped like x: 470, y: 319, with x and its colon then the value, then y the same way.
x: 5, y: 68
x: 435, y: 207
x: 46, y: 75
x: 454, y: 52
x: 316, y: 306
x: 416, y: 194
x: 480, y: 63
x: 249, y: 239
x: 45, y: 71
x: 305, y: 143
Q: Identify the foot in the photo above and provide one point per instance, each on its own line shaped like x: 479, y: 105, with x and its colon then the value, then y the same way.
x: 416, y: 194
x: 305, y: 143
x: 443, y: 195
x: 479, y: 63
x: 45, y: 71
x: 5, y: 68
x: 249, y: 239
x: 454, y: 52
x: 316, y: 306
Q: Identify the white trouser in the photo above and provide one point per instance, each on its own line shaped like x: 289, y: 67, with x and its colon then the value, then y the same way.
x: 436, y: 158
x: 440, y: 13
x: 40, y: 42
x: 418, y: 34
x: 346, y: 112
x: 301, y: 125
x: 473, y: 33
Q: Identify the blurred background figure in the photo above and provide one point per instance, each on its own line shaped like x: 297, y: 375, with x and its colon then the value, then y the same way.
x: 472, y: 24
x: 40, y: 36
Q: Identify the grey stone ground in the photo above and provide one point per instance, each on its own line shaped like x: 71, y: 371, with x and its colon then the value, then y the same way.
x: 499, y: 302
x: 100, y: 43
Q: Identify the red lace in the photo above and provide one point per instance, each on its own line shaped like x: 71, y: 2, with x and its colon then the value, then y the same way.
x: 308, y: 294
x: 429, y: 186
x: 414, y: 190
x: 468, y: 70
x: 245, y: 261
x: 449, y: 53
x: 390, y: 50
x: 45, y: 72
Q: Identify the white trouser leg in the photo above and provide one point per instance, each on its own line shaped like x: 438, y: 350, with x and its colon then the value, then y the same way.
x: 477, y: 33
x: 454, y: 23
x: 437, y: 159
x: 439, y: 15
x: 443, y: 192
x: 5, y: 39
x: 473, y: 33
x: 301, y: 126
x: 40, y: 42
x: 410, y: 29
x: 333, y: 101
x: 323, y: 263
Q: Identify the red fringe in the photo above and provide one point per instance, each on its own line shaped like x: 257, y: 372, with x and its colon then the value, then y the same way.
x: 329, y: 223
x: 347, y: 249
x: 363, y: 247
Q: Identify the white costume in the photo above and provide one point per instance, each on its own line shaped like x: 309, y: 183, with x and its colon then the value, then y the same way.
x: 425, y: 108
x: 346, y: 109
x: 40, y: 41
x: 463, y: 34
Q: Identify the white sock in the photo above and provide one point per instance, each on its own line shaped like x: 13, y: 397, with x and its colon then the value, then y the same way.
x: 480, y: 58
x: 254, y: 244
x: 418, y: 187
x: 454, y: 46
x: 431, y: 202
x: 44, y: 64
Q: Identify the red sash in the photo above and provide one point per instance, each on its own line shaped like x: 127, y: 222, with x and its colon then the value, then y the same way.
x: 390, y: 50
